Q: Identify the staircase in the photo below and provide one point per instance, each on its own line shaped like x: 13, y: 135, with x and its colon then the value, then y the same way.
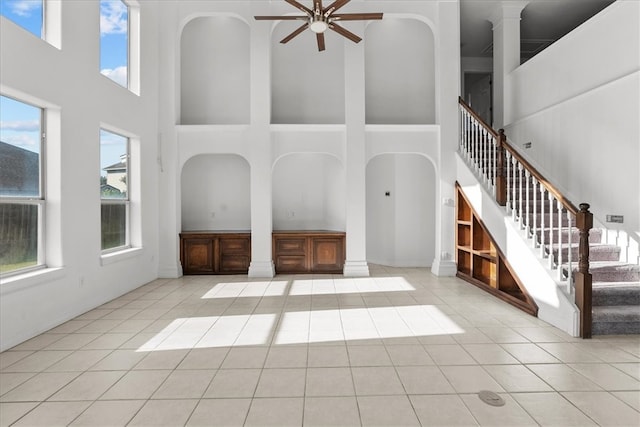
x: 605, y: 288
x: 615, y: 284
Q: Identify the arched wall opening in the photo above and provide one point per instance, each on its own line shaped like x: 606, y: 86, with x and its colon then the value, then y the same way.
x: 307, y: 86
x: 214, y: 71
x: 401, y: 210
x: 215, y: 190
x: 308, y: 193
x: 400, y: 72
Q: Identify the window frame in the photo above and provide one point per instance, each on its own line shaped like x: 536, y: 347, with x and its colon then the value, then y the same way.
x: 133, y: 47
x: 115, y: 201
x: 39, y: 200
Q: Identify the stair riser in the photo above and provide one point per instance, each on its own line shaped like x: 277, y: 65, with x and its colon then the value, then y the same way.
x: 615, y: 276
x: 595, y: 236
x: 615, y: 297
x: 615, y: 328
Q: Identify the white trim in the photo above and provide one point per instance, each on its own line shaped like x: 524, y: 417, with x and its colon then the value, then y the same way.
x: 262, y: 269
x: 113, y: 257
x: 356, y: 269
x: 33, y: 278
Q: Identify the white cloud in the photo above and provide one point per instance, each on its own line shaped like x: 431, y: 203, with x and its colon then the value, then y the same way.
x: 113, y: 17
x: 21, y: 125
x: 25, y: 7
x: 118, y: 75
x: 27, y: 141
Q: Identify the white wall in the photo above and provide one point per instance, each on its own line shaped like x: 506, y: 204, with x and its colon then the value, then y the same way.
x: 308, y: 193
x: 215, y: 193
x: 307, y: 86
x: 399, y: 72
x: 80, y: 100
x: 214, y: 67
x: 401, y: 226
x: 578, y: 103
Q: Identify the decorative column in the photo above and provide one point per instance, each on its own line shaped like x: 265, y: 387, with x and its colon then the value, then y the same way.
x: 355, y: 163
x: 506, y: 55
x: 260, y: 153
x: 447, y: 92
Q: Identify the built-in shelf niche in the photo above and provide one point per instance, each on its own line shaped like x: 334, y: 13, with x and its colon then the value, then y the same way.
x: 307, y: 86
x: 215, y: 193
x: 480, y: 261
x: 214, y: 71
x: 308, y: 193
x: 399, y: 82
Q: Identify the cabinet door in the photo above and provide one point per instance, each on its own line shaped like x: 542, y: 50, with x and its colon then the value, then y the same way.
x: 198, y: 256
x: 327, y: 254
x: 235, y: 254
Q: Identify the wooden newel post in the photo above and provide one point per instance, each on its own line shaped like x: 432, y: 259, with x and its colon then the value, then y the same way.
x: 501, y: 170
x: 583, y: 280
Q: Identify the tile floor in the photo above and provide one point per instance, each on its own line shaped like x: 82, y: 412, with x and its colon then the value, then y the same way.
x: 400, y: 348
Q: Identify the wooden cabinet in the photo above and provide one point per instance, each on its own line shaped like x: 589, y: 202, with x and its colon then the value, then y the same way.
x: 308, y: 251
x: 215, y: 252
x: 481, y: 263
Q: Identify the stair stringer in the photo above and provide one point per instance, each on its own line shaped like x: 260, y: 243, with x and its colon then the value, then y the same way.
x: 554, y: 306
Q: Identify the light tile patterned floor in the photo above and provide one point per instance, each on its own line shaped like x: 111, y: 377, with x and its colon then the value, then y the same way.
x: 400, y: 348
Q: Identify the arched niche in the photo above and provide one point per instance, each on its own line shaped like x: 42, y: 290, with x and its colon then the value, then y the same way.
x: 215, y: 190
x: 308, y: 193
x: 307, y: 86
x: 399, y: 72
x: 214, y: 71
x: 401, y: 225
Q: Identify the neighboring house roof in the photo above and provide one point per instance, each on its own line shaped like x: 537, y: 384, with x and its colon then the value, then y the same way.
x: 120, y: 166
x: 19, y: 171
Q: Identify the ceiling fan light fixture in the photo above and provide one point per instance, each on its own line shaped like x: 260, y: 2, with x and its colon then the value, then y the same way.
x: 318, y: 26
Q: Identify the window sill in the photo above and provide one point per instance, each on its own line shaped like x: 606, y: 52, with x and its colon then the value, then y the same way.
x: 33, y: 278
x: 118, y: 256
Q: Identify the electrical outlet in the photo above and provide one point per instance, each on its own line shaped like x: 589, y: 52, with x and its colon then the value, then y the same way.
x: 615, y: 218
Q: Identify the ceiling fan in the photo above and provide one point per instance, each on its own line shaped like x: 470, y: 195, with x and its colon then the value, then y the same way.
x: 320, y: 19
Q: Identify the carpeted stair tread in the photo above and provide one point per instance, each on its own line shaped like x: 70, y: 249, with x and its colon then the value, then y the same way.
x: 614, y: 271
x: 597, y: 252
x: 595, y: 235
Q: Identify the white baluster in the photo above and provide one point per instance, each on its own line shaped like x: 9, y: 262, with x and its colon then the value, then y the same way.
x: 551, y: 200
x: 560, y: 273
x: 527, y: 217
x: 514, y: 212
x: 542, y: 230
x: 494, y: 145
x: 520, y: 182
x: 507, y: 160
x: 570, y: 255
x: 534, y: 189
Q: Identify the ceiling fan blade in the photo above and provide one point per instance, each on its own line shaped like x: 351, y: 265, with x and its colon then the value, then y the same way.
x: 356, y: 16
x: 320, y: 39
x: 344, y: 32
x: 284, y: 18
x: 295, y: 33
x: 300, y: 6
x: 335, y: 6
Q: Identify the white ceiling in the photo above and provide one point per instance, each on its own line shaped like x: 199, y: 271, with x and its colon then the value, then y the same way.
x: 543, y: 22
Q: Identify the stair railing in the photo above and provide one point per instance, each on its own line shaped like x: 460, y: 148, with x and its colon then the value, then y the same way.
x: 535, y: 205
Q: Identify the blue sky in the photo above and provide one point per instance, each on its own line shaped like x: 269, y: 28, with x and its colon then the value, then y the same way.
x: 19, y: 123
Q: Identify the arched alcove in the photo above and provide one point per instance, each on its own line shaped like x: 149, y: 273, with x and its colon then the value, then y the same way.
x: 215, y: 191
x: 400, y: 72
x: 307, y: 86
x: 308, y: 193
x: 214, y: 71
x: 401, y: 191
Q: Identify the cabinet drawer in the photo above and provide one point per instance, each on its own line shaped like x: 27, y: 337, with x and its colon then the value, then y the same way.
x: 234, y: 245
x: 291, y: 245
x: 291, y: 264
x: 234, y: 263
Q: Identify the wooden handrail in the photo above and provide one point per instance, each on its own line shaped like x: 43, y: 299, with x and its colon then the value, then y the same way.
x: 537, y: 175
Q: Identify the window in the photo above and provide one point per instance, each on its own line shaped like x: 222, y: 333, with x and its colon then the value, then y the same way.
x: 114, y: 191
x: 114, y: 41
x: 29, y: 14
x: 21, y: 186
